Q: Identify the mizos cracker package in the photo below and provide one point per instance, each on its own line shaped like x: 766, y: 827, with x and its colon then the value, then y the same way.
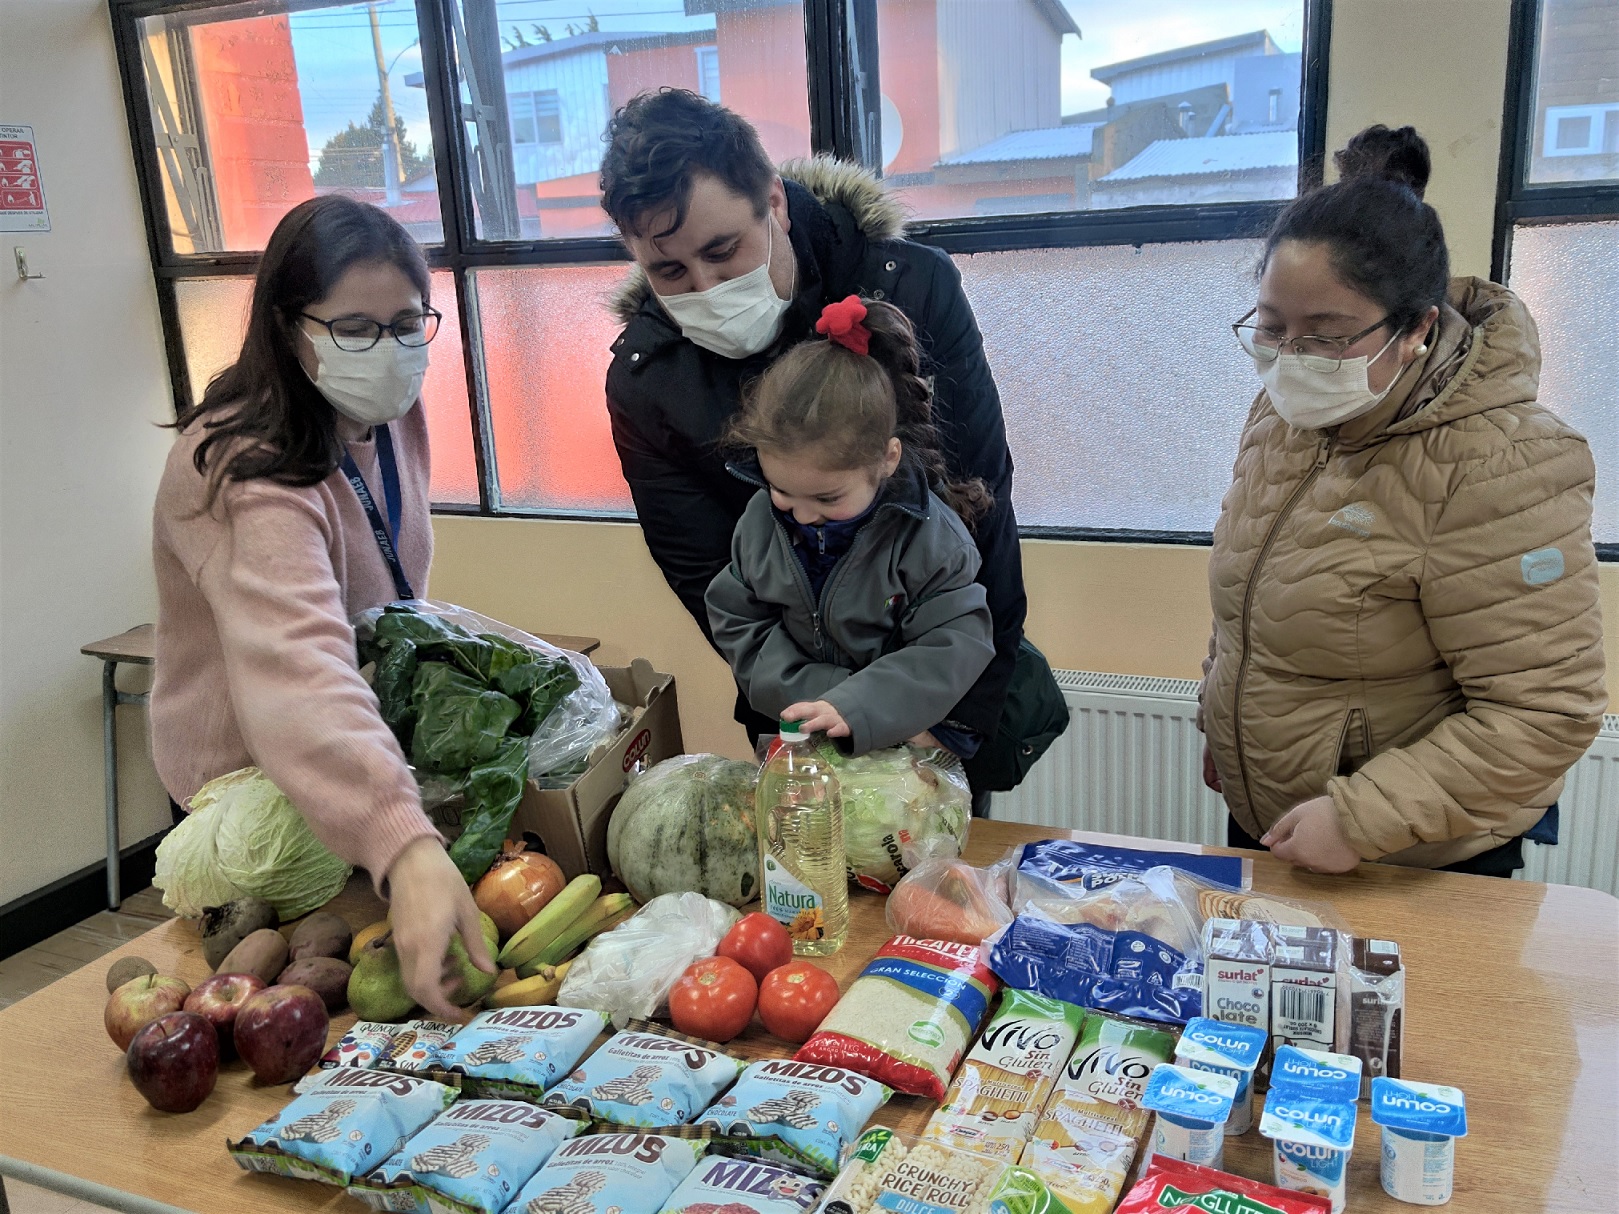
x: 797, y: 1112
x: 646, y: 1075
x: 343, y: 1125
x: 720, y: 1185
x: 472, y: 1160
x: 609, y: 1174
x: 520, y: 1051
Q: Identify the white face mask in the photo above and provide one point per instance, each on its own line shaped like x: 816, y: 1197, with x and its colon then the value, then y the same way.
x: 372, y: 387
x: 737, y: 318
x: 1311, y: 399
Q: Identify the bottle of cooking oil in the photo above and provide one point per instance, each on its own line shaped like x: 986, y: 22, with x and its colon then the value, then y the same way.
x: 803, y: 873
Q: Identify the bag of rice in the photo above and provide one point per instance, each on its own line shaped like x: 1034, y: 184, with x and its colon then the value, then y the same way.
x: 907, y: 1019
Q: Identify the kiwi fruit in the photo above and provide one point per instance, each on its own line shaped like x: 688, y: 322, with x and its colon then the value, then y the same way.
x: 126, y: 969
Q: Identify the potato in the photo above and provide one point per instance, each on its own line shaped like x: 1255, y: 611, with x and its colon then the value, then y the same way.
x: 322, y: 934
x: 264, y: 953
x: 326, y: 976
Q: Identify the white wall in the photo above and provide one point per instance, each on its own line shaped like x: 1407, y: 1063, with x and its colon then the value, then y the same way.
x: 82, y: 383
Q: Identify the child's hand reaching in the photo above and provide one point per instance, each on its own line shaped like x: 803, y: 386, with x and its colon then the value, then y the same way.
x: 817, y: 716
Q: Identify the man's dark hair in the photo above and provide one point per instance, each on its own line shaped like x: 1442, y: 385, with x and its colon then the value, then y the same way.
x: 661, y: 140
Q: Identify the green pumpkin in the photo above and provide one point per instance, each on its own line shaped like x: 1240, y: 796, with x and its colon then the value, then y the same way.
x: 687, y: 824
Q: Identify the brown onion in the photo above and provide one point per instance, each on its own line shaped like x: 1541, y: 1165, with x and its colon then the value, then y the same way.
x: 517, y: 886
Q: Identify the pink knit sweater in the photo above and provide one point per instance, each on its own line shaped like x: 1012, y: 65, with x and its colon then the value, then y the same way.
x: 255, y: 654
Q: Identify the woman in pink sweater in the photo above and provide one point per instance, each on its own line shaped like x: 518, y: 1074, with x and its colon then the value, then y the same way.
x: 296, y: 496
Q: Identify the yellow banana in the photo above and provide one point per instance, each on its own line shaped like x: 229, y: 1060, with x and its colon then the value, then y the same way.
x: 556, y: 917
x: 606, y: 913
x: 529, y: 992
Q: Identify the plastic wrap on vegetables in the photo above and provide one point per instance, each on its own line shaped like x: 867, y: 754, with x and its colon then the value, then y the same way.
x: 900, y: 806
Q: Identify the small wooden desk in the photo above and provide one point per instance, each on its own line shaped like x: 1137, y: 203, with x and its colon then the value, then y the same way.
x: 136, y: 648
x: 1513, y: 996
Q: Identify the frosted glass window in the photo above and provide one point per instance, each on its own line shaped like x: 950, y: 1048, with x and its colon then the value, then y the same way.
x: 213, y: 316
x: 547, y: 337
x: 1123, y: 389
x: 1568, y: 275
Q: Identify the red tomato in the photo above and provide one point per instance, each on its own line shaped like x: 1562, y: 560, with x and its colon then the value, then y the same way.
x: 758, y: 943
x: 794, y: 999
x: 713, y: 999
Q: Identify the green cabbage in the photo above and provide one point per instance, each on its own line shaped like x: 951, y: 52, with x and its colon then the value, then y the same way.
x: 243, y: 837
x: 900, y: 806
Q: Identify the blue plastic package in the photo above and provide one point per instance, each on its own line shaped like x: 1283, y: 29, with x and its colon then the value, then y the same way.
x: 647, y: 1075
x: 720, y: 1185
x: 797, y: 1112
x: 520, y: 1051
x: 471, y: 1160
x: 344, y: 1123
x: 1091, y: 866
x: 609, y: 1174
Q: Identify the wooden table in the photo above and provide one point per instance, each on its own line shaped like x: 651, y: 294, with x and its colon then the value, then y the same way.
x: 1513, y: 996
x: 136, y: 647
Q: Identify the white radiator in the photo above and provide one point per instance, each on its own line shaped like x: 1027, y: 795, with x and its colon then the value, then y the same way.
x: 1131, y: 763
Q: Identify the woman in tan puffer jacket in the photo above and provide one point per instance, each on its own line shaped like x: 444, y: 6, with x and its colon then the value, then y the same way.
x: 1407, y: 649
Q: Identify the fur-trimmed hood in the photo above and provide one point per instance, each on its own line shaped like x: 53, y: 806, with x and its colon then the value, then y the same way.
x: 876, y: 212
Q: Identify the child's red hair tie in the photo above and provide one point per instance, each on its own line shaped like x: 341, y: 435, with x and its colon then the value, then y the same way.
x: 842, y: 322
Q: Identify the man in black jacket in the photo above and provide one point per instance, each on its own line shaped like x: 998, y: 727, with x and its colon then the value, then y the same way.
x: 734, y: 264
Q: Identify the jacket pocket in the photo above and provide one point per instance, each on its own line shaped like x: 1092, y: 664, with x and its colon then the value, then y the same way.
x: 1355, y: 744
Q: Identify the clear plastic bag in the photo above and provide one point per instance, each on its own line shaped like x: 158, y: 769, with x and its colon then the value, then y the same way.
x: 629, y: 971
x: 901, y: 806
x: 948, y: 899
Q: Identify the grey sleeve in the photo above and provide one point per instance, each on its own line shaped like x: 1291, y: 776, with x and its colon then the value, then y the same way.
x: 770, y: 668
x: 946, y: 640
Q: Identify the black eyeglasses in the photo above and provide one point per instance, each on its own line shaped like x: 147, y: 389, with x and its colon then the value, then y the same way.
x: 358, y: 333
x: 1317, y: 353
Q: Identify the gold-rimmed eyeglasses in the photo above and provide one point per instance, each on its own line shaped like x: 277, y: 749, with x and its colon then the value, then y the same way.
x: 1318, y: 353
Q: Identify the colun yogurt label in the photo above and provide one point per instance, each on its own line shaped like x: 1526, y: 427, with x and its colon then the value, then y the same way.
x: 1312, y: 1140
x: 1421, y: 1122
x: 1221, y: 1048
x: 1423, y: 1108
x: 1316, y: 1073
x: 1192, y: 1107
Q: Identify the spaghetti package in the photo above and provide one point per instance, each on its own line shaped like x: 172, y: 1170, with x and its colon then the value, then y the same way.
x: 995, y: 1099
x: 907, y: 1019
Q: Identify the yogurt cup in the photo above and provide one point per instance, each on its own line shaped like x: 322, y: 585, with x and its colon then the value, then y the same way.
x: 1421, y: 1123
x: 1192, y: 1107
x: 1221, y: 1048
x: 1312, y: 1141
x: 1316, y: 1073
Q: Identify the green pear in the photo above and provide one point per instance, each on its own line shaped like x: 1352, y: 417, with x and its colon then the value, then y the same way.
x: 472, y: 983
x: 377, y: 987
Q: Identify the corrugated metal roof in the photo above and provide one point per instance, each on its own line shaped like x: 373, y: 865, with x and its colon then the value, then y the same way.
x: 1048, y: 143
x: 1203, y: 157
x: 1259, y: 40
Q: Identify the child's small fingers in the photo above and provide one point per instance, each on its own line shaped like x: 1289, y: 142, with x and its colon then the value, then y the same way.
x: 838, y: 730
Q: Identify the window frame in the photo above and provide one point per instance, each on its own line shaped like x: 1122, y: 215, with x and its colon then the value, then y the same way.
x: 1517, y: 201
x: 844, y: 109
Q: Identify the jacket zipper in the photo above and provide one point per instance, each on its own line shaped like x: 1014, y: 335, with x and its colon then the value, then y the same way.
x: 1247, y: 609
x: 818, y: 606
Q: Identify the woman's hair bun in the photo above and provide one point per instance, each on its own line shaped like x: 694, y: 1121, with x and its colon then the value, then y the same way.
x: 1394, y: 155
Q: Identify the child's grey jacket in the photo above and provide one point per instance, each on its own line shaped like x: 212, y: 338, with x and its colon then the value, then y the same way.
x: 901, y: 630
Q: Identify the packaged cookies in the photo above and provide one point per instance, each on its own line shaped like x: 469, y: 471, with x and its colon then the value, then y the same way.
x: 647, y: 1075
x: 471, y: 1160
x: 520, y: 1051
x: 345, y: 1123
x: 609, y: 1174
x: 722, y: 1185
x: 796, y: 1112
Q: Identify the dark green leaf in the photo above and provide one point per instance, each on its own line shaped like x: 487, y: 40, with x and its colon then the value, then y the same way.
x: 539, y: 686
x: 493, y: 791
x: 395, y: 683
x: 459, y: 722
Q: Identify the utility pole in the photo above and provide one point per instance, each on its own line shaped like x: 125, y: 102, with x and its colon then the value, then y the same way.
x: 391, y: 174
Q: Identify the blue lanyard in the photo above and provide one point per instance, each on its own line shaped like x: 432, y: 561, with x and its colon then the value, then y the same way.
x: 387, y: 540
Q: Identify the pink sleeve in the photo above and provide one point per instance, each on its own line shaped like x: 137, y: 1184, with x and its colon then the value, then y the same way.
x: 307, y: 717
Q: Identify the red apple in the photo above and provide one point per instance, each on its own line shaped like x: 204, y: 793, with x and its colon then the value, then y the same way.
x: 174, y: 1061
x: 140, y: 1001
x: 281, y: 1031
x: 218, y: 999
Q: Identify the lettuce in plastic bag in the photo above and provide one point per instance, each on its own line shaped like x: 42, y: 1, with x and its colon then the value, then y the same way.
x: 244, y: 837
x: 900, y: 806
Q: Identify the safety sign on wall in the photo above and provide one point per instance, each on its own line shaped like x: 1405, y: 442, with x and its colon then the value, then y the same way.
x: 22, y: 197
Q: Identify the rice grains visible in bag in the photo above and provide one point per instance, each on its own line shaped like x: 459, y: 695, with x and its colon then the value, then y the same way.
x: 907, y: 1019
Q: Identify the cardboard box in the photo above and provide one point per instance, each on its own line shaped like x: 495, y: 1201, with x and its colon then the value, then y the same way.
x: 572, y: 821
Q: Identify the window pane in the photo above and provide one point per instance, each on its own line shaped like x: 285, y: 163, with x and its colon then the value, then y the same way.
x: 253, y: 116
x: 1565, y: 274
x: 547, y: 335
x: 213, y: 317
x: 1574, y: 134
x: 1126, y: 413
x: 535, y: 177
x: 993, y: 107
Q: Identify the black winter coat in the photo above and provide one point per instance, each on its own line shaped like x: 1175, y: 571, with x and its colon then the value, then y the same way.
x: 670, y: 400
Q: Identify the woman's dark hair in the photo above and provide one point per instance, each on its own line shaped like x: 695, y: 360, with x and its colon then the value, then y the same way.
x: 846, y: 406
x: 263, y: 415
x: 659, y: 141
x: 1384, y: 241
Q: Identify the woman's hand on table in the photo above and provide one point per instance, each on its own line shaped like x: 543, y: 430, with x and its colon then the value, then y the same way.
x: 1311, y: 836
x: 430, y: 905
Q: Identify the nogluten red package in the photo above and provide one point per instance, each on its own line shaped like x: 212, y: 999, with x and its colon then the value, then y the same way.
x: 1174, y: 1184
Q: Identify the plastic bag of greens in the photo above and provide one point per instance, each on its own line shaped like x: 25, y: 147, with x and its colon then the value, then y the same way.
x: 900, y: 806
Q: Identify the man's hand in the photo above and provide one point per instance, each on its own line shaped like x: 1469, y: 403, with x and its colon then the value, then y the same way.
x: 926, y: 741
x: 1310, y: 835
x: 817, y: 716
x: 431, y: 904
x: 1211, y: 774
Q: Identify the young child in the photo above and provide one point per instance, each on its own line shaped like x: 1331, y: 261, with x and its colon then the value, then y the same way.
x: 849, y: 604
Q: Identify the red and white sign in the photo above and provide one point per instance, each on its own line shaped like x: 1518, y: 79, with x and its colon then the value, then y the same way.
x: 22, y: 196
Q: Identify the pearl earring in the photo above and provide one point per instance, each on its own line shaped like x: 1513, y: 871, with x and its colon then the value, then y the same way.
x: 1421, y: 350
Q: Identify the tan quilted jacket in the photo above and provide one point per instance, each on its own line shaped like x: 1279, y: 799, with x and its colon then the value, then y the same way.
x: 1406, y: 612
